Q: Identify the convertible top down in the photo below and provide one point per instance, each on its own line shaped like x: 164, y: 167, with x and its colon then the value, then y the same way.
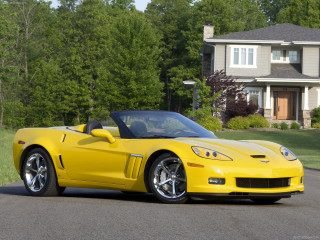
x: 160, y: 152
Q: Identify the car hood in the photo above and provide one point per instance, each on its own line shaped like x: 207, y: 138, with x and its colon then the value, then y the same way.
x: 238, y: 149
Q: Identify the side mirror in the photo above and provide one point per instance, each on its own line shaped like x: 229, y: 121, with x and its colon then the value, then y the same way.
x: 103, y: 134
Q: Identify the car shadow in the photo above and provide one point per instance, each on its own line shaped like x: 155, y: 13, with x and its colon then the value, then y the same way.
x: 128, y: 197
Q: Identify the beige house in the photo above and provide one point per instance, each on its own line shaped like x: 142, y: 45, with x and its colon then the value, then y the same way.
x: 279, y: 64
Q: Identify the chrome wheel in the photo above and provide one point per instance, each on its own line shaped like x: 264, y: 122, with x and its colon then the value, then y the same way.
x: 169, y: 178
x: 35, y: 172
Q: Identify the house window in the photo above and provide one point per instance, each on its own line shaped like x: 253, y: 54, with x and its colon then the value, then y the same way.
x: 236, y: 56
x: 293, y: 56
x: 243, y: 56
x: 285, y: 56
x: 254, y: 95
x: 276, y: 55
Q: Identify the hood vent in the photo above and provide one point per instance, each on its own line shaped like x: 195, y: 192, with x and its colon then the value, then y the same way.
x: 258, y: 156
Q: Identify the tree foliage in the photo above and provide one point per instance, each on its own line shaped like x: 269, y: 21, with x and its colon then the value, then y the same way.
x: 87, y: 58
x: 271, y: 8
x: 301, y: 12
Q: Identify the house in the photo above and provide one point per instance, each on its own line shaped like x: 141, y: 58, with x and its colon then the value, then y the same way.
x: 280, y: 66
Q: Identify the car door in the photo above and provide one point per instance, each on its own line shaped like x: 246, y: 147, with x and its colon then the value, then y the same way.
x: 93, y: 159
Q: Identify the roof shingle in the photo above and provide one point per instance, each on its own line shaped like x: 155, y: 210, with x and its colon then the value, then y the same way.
x: 285, y: 32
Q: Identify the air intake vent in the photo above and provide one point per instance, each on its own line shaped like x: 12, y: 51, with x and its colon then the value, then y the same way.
x: 258, y: 156
x: 263, y: 182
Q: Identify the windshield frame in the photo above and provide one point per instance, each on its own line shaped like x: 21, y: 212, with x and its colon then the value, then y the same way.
x: 126, y: 133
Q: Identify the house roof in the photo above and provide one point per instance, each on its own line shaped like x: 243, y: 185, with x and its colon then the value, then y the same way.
x: 286, y: 71
x: 281, y: 32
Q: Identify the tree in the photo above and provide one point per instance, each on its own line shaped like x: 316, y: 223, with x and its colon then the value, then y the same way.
x: 129, y: 74
x: 231, y: 99
x: 170, y: 18
x: 301, y: 12
x: 271, y: 8
x: 205, y: 107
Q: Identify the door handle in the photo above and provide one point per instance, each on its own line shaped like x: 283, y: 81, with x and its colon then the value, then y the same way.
x: 278, y: 108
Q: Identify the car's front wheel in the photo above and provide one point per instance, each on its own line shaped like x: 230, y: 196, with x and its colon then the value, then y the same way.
x: 39, y: 175
x: 167, y: 179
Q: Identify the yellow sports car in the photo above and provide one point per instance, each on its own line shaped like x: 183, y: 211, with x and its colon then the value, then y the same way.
x: 160, y: 152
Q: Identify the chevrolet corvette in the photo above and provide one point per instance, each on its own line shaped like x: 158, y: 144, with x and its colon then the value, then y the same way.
x: 159, y: 152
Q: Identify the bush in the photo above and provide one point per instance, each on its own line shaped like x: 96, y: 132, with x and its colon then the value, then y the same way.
x: 316, y: 116
x: 295, y: 125
x: 211, y: 123
x: 258, y: 121
x: 275, y: 125
x: 240, y: 107
x: 284, y: 126
x: 238, y: 123
x: 316, y: 125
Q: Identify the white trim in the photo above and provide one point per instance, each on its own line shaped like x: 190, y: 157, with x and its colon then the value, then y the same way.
x: 318, y: 90
x: 243, y: 41
x: 240, y: 47
x: 306, y: 98
x: 287, y: 80
x: 305, y: 43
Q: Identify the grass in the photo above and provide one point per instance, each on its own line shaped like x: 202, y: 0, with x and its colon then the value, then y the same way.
x: 8, y: 173
x: 304, y: 143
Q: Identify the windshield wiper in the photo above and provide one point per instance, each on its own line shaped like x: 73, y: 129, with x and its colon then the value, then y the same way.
x: 157, y: 136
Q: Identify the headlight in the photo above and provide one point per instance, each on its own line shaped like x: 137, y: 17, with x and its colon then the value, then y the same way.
x: 288, y: 154
x: 210, y: 154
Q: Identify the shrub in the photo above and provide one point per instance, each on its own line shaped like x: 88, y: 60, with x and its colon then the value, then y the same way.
x: 258, y: 121
x: 211, y: 123
x: 316, y: 116
x: 295, y: 125
x: 240, y: 107
x: 275, y: 125
x: 238, y: 123
x: 316, y: 125
x: 284, y: 126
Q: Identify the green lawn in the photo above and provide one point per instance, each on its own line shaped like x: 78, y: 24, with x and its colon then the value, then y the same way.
x: 7, y: 171
x: 304, y: 143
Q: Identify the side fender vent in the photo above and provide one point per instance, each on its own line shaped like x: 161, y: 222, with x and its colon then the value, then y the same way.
x: 258, y: 156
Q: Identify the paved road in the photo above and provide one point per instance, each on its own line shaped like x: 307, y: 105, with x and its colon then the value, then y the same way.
x: 100, y: 214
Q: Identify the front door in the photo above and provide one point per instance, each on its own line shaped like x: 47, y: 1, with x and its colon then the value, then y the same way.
x: 285, y: 105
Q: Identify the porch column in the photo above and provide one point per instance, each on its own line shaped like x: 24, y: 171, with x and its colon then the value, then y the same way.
x: 267, y: 113
x: 306, y: 98
x: 306, y: 118
x: 268, y: 98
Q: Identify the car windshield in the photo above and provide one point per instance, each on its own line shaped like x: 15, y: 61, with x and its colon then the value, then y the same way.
x: 157, y: 124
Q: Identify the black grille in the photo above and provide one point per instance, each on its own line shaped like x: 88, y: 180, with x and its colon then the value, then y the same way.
x: 263, y: 182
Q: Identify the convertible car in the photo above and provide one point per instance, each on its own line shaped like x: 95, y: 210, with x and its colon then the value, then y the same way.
x: 160, y: 152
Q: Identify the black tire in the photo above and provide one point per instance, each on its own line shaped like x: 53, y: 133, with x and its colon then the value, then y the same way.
x: 39, y: 175
x: 175, y: 188
x: 265, y: 201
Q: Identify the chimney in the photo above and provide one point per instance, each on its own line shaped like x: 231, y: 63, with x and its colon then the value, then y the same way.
x: 208, y: 30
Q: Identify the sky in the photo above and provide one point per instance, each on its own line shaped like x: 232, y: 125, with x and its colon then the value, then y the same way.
x: 140, y: 4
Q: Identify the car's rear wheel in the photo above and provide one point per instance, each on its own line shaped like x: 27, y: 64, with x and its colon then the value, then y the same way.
x: 39, y: 175
x: 265, y: 200
x: 167, y: 179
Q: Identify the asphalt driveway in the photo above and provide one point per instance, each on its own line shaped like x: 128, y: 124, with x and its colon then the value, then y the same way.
x: 101, y: 214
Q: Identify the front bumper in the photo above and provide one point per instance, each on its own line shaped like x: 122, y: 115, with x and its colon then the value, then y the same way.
x: 244, y: 195
x: 198, y: 185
